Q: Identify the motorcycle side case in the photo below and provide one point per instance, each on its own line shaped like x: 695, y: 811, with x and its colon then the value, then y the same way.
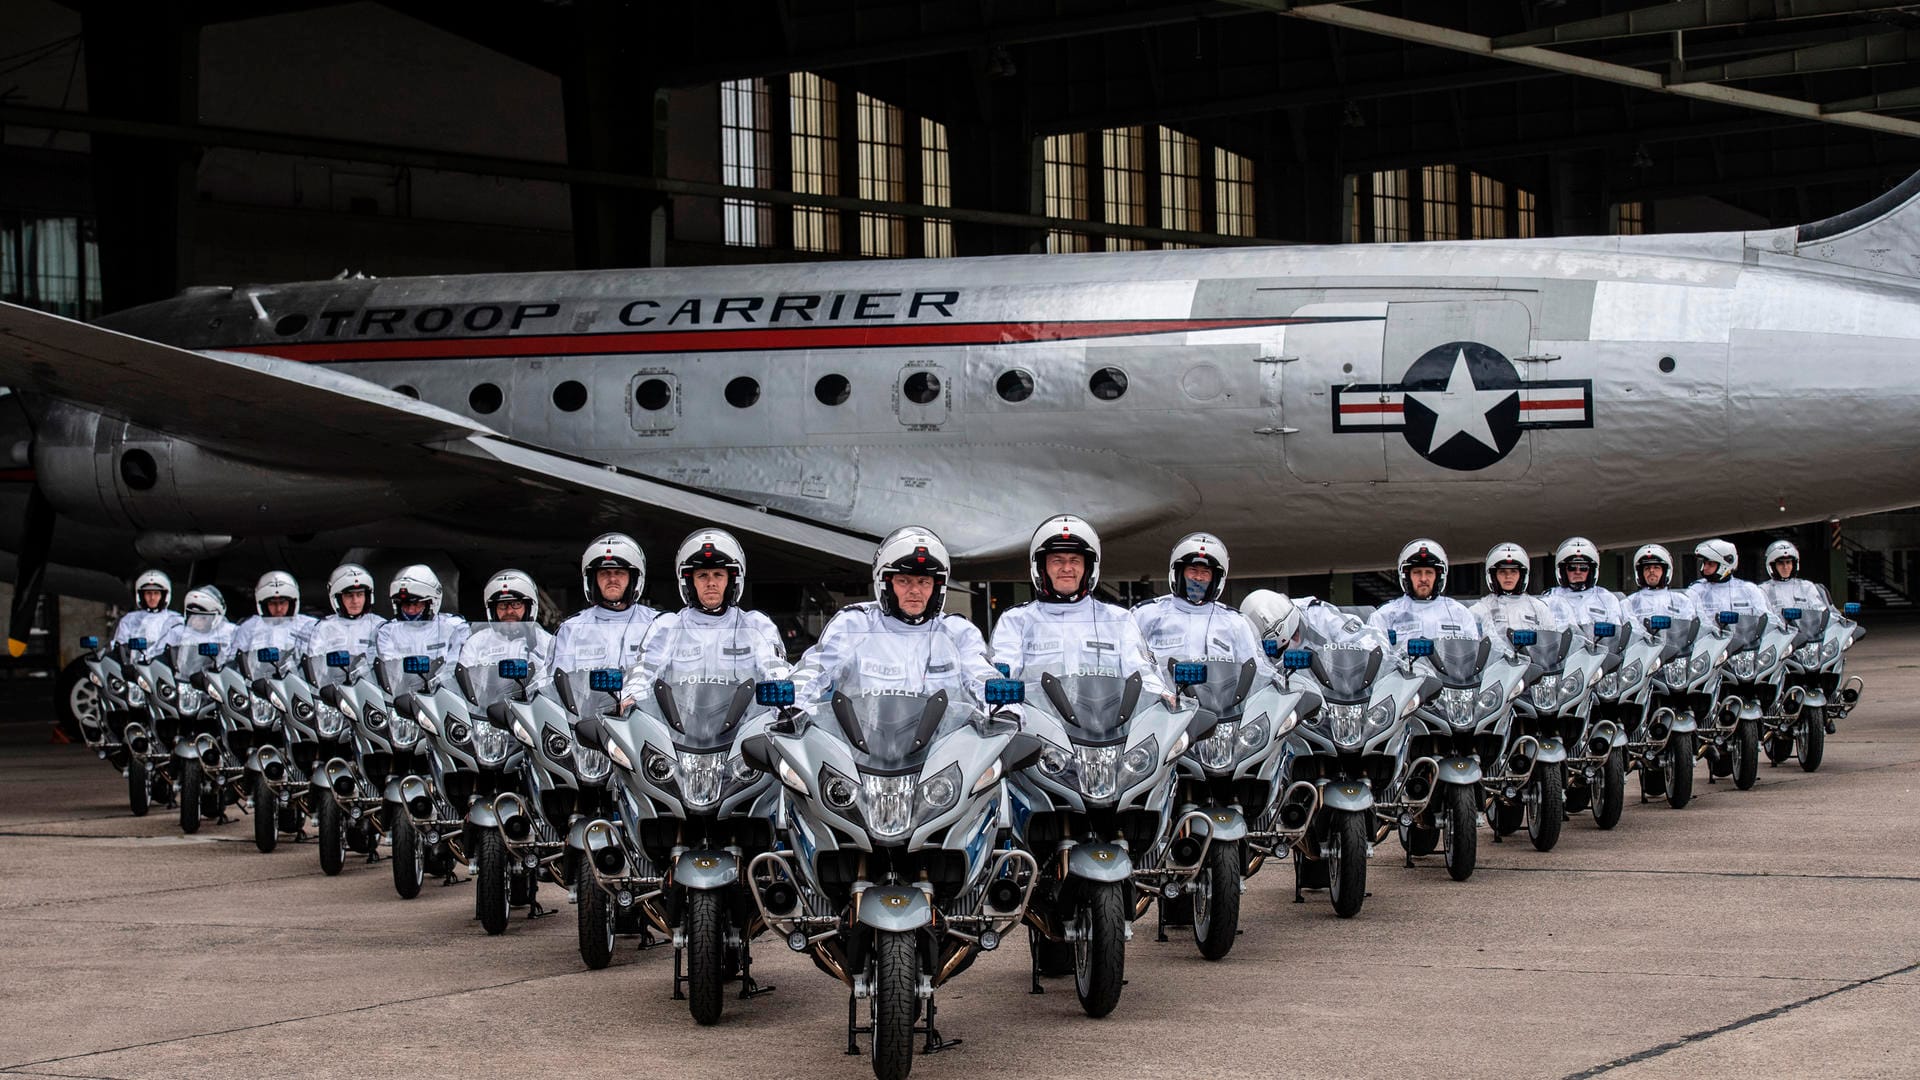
x: 894, y: 908
x: 1223, y: 823
x: 706, y: 869
x: 1104, y: 863
x: 1465, y: 770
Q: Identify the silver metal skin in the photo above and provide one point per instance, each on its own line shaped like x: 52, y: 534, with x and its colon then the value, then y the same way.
x: 1314, y: 379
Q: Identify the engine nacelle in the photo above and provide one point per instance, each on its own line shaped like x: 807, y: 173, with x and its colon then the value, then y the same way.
x: 108, y: 472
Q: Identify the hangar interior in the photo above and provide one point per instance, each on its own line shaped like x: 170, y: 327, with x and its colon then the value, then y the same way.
x: 148, y: 148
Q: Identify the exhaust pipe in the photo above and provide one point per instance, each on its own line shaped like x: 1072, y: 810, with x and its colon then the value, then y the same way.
x: 1850, y: 690
x: 1187, y: 852
x: 1520, y: 760
x: 1730, y: 709
x: 1659, y: 727
x: 1600, y: 741
x: 1794, y: 701
x: 1422, y: 775
x: 604, y: 851
x: 1297, y: 806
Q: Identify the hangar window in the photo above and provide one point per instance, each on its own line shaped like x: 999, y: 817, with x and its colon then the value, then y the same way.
x: 1108, y: 383
x: 883, y: 151
x: 570, y: 396
x: 1123, y: 176
x: 1629, y: 219
x: 1489, y: 208
x: 922, y: 387
x: 50, y: 263
x: 653, y: 395
x: 936, y: 189
x: 743, y: 391
x: 1064, y: 159
x: 1179, y: 183
x: 1015, y: 385
x: 1526, y: 215
x: 485, y: 398
x: 1232, y: 193
x: 1390, y: 216
x: 832, y: 389
x: 1440, y: 200
x: 746, y: 160
x: 814, y: 105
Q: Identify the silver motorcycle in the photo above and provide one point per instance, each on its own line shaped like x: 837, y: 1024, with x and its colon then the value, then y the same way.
x: 1818, y: 690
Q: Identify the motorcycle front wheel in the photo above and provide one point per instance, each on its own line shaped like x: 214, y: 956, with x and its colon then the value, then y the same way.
x: 332, y: 839
x: 1678, y: 771
x: 190, y: 796
x: 1346, y: 862
x: 491, y: 885
x: 707, y: 955
x: 266, y: 814
x: 595, y: 909
x: 1746, y: 754
x: 1462, y: 831
x: 1216, y: 900
x: 409, y: 857
x: 1811, y: 742
x: 138, y: 787
x: 896, y: 998
x: 1545, y: 812
x: 1608, y: 801
x: 1100, y: 956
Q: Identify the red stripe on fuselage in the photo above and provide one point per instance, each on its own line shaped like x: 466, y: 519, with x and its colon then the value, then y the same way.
x: 754, y: 339
x: 1372, y: 407
x: 1568, y: 403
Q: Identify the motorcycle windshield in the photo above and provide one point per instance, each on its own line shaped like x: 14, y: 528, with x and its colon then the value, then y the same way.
x: 1677, y: 638
x: 1094, y: 708
x: 1226, y: 687
x: 1549, y: 649
x: 404, y: 640
x: 690, y: 653
x: 1460, y: 660
x: 1812, y: 625
x: 491, y: 643
x: 1746, y: 633
x: 1347, y: 672
x: 891, y: 733
x: 319, y: 674
x: 186, y: 659
x: 577, y: 694
x: 282, y: 634
x: 703, y: 715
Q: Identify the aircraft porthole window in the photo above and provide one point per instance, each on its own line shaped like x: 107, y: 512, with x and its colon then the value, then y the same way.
x: 290, y: 325
x: 485, y: 398
x: 743, y: 391
x: 1108, y: 383
x: 569, y: 396
x: 922, y: 387
x: 409, y: 391
x: 1666, y: 365
x: 1014, y: 385
x: 832, y: 390
x: 653, y: 395
x: 137, y: 468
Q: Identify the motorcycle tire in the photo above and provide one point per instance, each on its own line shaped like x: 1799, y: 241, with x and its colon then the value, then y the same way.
x: 1811, y: 743
x: 190, y: 796
x: 1677, y: 773
x: 1050, y: 958
x: 332, y: 839
x: 1462, y: 829
x: 1506, y: 818
x: 1547, y: 811
x: 1346, y: 862
x: 1779, y: 748
x: 1613, y: 790
x: 706, y: 955
x: 266, y: 814
x: 139, y: 788
x: 409, y: 857
x: 1419, y: 840
x: 1216, y: 906
x: 896, y: 998
x: 521, y: 887
x: 1100, y: 957
x: 1576, y: 799
x: 595, y: 909
x: 491, y: 884
x: 1746, y: 754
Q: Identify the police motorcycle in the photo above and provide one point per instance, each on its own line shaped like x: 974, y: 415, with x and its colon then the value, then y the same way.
x: 1466, y: 731
x: 136, y: 739
x: 1549, y: 720
x: 1816, y: 692
x: 1233, y: 776
x: 692, y: 807
x: 892, y: 881
x: 1753, y: 681
x: 1684, y: 686
x: 426, y: 829
x: 280, y: 767
x: 1597, y: 752
x: 1353, y: 750
x: 357, y: 813
x: 550, y: 725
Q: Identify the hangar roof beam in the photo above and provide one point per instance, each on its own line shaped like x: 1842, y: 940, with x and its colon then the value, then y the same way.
x: 1664, y: 18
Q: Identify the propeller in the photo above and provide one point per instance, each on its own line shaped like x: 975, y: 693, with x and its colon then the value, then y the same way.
x: 36, y: 540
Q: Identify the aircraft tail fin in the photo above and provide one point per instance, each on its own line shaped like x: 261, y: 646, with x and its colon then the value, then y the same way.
x: 1883, y: 235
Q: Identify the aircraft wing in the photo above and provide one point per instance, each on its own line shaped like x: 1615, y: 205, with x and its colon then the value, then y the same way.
x: 281, y: 411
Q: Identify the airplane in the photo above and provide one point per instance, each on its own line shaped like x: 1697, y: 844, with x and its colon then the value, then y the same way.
x: 1314, y: 406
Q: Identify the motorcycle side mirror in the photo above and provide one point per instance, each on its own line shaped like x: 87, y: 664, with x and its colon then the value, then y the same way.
x: 1022, y: 751
x: 1604, y: 630
x: 330, y: 694
x: 415, y: 665
x: 757, y: 751
x: 591, y: 732
x: 1850, y: 609
x: 1520, y: 638
x: 774, y: 693
x: 207, y: 648
x: 1420, y: 646
x: 1660, y: 622
x: 1727, y: 618
x: 1006, y: 692
x: 268, y: 655
x: 1296, y: 659
x: 1272, y: 647
x: 89, y: 643
x: 1791, y: 614
x: 339, y: 659
x: 1005, y: 671
x: 1429, y: 687
x: 606, y: 681
x: 1188, y: 674
x: 514, y: 668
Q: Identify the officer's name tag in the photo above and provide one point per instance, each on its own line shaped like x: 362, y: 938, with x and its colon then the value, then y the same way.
x: 742, y: 650
x: 1102, y: 646
x: 939, y: 669
x: 689, y: 653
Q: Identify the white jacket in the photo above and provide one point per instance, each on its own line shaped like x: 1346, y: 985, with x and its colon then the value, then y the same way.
x: 1086, y: 637
x: 1733, y: 594
x: 438, y: 638
x: 1175, y: 630
x: 864, y: 650
x: 1584, y: 607
x: 1501, y: 614
x: 599, y: 638
x: 337, y: 633
x: 288, y: 633
x: 1644, y: 603
x: 488, y: 643
x: 217, y: 631
x: 1440, y: 617
x: 1797, y: 593
x: 152, y: 625
x: 736, y: 645
x: 1322, y: 623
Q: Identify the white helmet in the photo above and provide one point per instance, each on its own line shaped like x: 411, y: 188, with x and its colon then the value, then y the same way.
x: 1576, y: 547
x: 711, y: 549
x: 1653, y: 553
x: 153, y: 579
x: 511, y: 585
x: 1503, y: 555
x: 1423, y: 552
x: 349, y: 576
x: 1782, y: 549
x: 1273, y: 615
x: 416, y: 582
x: 1721, y: 552
x: 1197, y: 549
x: 205, y: 600
x: 911, y: 549
x: 276, y: 585
x: 613, y: 551
x: 1063, y: 532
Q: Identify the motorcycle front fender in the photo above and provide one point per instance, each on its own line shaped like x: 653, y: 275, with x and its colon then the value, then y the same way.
x: 894, y: 908
x: 1351, y: 795
x: 186, y: 749
x: 1749, y: 710
x: 1104, y: 863
x: 483, y: 815
x: 393, y: 794
x: 577, y: 834
x: 1551, y: 750
x: 1463, y: 770
x: 707, y: 870
x: 1815, y: 697
x: 1685, y: 722
x: 1223, y: 823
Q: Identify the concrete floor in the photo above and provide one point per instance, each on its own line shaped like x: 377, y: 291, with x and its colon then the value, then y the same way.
x: 1769, y: 932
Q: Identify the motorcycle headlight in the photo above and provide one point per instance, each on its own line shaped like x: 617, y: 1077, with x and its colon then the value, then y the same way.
x: 1489, y: 700
x: 591, y: 766
x: 1343, y: 723
x: 836, y: 791
x: 1742, y: 665
x: 1142, y: 760
x: 1609, y: 685
x: 1382, y: 713
x: 743, y: 773
x: 264, y: 714
x: 240, y: 703
x: 458, y: 733
x: 1096, y: 766
x: 1252, y: 736
x: 331, y: 722
x: 1055, y: 762
x: 1456, y: 703
x: 490, y: 744
x: 702, y: 777
x: 1571, y: 684
x: 886, y: 803
x: 1830, y: 649
x: 405, y: 733
x: 1630, y: 675
x: 302, y: 711
x: 1216, y: 750
x: 116, y: 684
x: 940, y: 793
x: 1697, y: 667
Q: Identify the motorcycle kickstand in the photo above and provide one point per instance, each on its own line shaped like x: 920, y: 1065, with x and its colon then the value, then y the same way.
x: 1033, y: 963
x: 1160, y: 917
x: 935, y: 1043
x: 749, y: 989
x: 679, y: 977
x: 853, y: 1026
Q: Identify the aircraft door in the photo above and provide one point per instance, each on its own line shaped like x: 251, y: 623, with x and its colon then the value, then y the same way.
x: 653, y: 400
x: 1452, y: 367
x: 1330, y: 418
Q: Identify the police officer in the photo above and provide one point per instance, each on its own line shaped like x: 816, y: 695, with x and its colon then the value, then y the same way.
x: 609, y: 631
x: 1653, y: 569
x: 512, y: 630
x: 205, y: 623
x: 1306, y: 622
x: 1718, y: 590
x: 1784, y: 588
x: 1421, y: 611
x: 149, y: 618
x: 1507, y: 607
x: 353, y: 626
x: 1064, y: 630
x: 712, y: 636
x: 1190, y: 623
x: 276, y: 621
x: 418, y: 626
x: 1577, y: 597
